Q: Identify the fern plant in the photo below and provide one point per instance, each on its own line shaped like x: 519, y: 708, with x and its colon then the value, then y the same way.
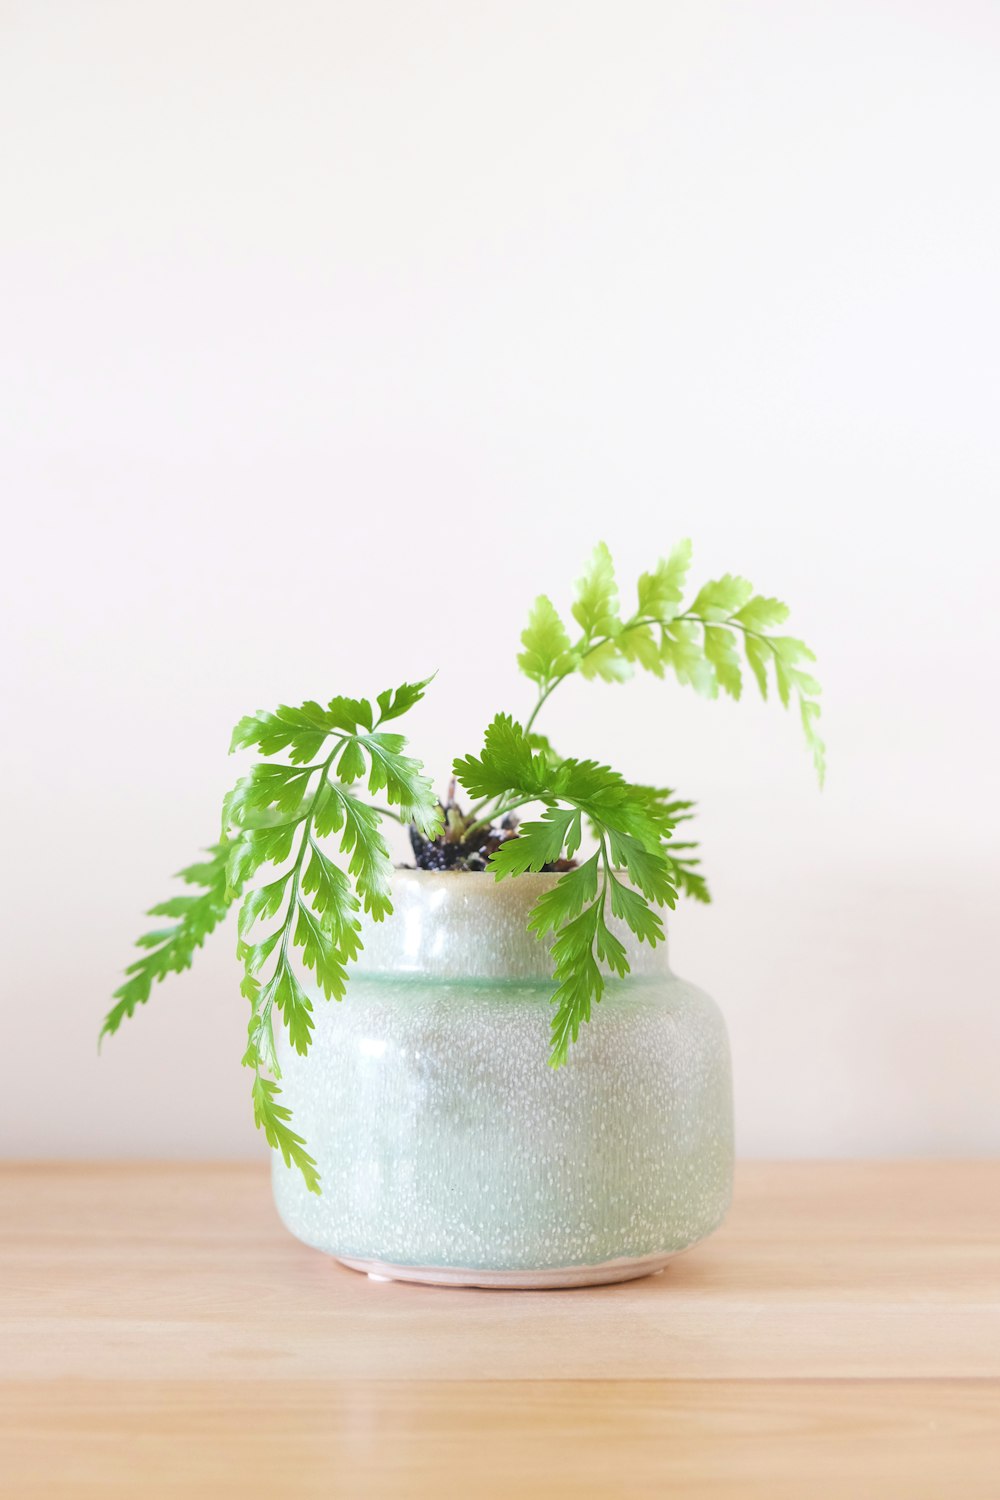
x: 303, y: 854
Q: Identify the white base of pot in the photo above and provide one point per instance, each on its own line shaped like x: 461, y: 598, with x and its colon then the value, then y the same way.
x: 623, y: 1269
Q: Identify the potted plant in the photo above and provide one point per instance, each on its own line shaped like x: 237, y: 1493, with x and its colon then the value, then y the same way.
x: 471, y: 1115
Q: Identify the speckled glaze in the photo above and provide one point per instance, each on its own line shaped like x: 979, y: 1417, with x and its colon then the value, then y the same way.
x: 451, y: 1152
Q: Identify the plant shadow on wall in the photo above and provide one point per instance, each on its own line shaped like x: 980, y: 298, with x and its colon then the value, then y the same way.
x: 302, y: 805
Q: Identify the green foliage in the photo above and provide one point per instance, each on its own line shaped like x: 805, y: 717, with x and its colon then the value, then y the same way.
x: 596, y: 604
x: 721, y: 653
x: 273, y: 1118
x: 321, y: 902
x: 631, y: 824
x: 722, y: 598
x: 606, y: 659
x: 684, y: 862
x: 277, y: 815
x: 508, y: 762
x: 170, y: 950
x: 546, y: 645
x: 660, y: 592
x: 682, y: 648
x: 700, y: 644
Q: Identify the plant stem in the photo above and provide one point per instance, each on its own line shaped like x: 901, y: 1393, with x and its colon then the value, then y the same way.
x: 541, y: 700
x: 387, y: 812
x: 497, y: 813
x: 583, y: 649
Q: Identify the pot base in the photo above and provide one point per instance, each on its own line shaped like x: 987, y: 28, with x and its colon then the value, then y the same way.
x: 548, y: 1279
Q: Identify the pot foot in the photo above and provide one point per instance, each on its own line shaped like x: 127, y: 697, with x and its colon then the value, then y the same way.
x: 624, y: 1268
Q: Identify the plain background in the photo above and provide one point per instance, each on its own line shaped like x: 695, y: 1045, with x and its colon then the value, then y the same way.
x: 333, y: 333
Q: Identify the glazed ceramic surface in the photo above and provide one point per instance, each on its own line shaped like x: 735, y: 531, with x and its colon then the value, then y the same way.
x: 450, y: 1151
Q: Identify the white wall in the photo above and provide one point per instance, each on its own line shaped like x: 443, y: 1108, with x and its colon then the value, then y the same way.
x: 332, y: 333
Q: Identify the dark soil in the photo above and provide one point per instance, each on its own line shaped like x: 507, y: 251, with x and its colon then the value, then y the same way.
x: 464, y: 846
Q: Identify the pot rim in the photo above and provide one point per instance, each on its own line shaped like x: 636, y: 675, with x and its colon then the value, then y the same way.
x: 465, y: 924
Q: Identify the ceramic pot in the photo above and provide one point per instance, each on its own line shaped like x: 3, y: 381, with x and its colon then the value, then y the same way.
x: 450, y: 1151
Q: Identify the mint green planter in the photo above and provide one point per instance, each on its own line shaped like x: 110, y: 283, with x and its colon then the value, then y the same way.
x: 450, y: 1152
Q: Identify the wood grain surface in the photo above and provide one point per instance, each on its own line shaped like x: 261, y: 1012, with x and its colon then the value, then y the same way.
x: 161, y: 1334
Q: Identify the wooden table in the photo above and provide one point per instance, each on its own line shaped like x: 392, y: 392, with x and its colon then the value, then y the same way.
x: 161, y: 1334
